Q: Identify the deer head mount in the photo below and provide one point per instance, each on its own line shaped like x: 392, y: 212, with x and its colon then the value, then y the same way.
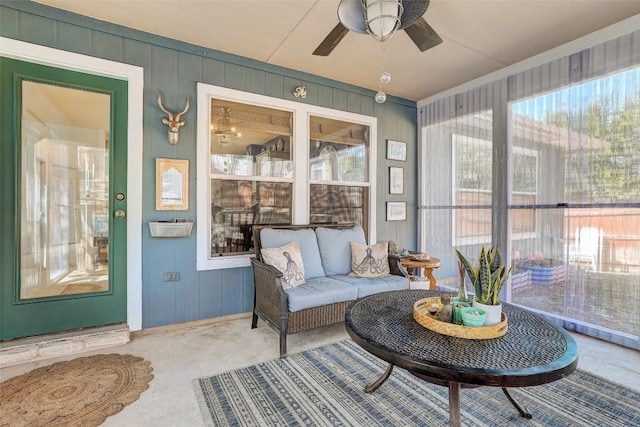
x: 173, y: 121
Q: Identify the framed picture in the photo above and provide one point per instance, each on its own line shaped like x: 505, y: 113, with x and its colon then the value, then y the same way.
x: 396, y: 180
x: 396, y: 150
x: 172, y: 184
x: 396, y: 211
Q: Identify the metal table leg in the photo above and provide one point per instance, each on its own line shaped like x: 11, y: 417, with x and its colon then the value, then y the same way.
x: 454, y: 404
x: 373, y: 387
x: 523, y: 412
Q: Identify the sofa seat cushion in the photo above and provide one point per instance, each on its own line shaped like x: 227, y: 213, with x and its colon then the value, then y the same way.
x: 306, y: 237
x: 369, y: 286
x: 320, y: 291
x: 335, y: 249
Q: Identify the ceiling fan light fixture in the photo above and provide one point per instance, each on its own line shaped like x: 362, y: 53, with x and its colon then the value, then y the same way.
x: 224, y: 129
x: 382, y: 17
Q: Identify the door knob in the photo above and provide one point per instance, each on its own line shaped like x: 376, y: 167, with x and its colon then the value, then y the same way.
x: 120, y: 213
x: 120, y: 196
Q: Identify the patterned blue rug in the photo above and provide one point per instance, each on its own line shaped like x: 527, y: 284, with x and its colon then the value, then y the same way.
x: 324, y: 387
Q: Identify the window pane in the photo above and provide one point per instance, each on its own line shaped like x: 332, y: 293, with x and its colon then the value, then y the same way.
x: 473, y: 168
x: 335, y: 204
x: 239, y: 205
x: 338, y: 150
x: 587, y: 137
x: 247, y: 140
x: 64, y: 224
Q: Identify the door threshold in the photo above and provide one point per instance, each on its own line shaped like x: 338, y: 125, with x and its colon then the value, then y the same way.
x: 42, y: 347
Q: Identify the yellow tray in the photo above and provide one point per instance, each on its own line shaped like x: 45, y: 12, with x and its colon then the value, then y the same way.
x: 422, y: 315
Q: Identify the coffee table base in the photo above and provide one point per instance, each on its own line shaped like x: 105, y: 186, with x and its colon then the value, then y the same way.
x: 454, y: 395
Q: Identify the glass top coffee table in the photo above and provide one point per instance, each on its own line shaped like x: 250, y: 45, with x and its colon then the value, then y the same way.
x: 532, y: 352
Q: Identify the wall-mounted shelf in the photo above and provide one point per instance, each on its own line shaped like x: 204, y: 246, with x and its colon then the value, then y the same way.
x: 170, y: 229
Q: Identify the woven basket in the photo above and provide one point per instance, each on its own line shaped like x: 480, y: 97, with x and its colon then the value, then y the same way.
x: 422, y: 315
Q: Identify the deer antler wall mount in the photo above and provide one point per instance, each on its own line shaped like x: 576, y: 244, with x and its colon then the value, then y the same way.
x: 173, y: 121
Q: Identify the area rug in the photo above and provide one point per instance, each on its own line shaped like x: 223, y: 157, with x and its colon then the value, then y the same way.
x: 324, y: 387
x: 81, y: 392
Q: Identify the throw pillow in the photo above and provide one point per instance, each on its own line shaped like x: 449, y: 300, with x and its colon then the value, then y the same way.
x: 288, y: 260
x: 369, y: 261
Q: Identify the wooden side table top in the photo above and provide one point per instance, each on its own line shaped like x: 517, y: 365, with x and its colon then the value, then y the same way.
x: 409, y: 262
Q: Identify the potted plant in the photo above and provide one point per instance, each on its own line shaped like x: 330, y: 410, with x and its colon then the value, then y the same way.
x: 487, y: 280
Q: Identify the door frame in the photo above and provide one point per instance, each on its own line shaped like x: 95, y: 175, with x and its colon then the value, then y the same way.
x: 134, y: 75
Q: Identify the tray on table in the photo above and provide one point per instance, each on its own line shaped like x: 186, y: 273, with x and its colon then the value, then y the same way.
x: 422, y: 315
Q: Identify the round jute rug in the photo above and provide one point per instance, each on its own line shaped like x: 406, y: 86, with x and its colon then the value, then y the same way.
x: 82, y: 391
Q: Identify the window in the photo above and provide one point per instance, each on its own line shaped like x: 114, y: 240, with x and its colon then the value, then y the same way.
x: 472, y: 190
x: 251, y: 172
x: 524, y: 188
x: 267, y: 161
x: 338, y: 171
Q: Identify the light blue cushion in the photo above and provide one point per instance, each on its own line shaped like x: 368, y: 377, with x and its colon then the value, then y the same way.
x: 275, y: 238
x: 335, y: 249
x: 320, y: 291
x: 368, y: 286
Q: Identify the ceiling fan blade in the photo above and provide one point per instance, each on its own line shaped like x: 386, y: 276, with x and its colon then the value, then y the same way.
x: 423, y: 35
x: 331, y: 41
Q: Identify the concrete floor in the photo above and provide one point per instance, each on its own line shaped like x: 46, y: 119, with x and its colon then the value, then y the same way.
x: 182, y: 353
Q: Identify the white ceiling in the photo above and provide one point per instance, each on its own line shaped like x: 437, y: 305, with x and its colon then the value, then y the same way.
x: 480, y: 36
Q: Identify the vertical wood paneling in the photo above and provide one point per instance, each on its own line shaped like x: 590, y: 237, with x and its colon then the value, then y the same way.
x: 339, y: 99
x: 107, y: 46
x: 212, y: 71
x: 9, y: 23
x: 37, y: 29
x: 312, y: 92
x: 235, y: 76
x: 324, y: 97
x: 255, y: 81
x: 211, y: 293
x: 274, y: 85
x: 72, y: 36
x: 205, y: 294
x: 137, y: 53
x: 232, y: 291
x: 158, y: 296
x: 366, y: 105
x: 353, y: 102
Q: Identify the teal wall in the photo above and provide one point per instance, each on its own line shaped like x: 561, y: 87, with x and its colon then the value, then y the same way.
x: 174, y: 67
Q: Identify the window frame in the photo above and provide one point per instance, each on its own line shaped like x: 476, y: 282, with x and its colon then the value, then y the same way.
x: 300, y: 143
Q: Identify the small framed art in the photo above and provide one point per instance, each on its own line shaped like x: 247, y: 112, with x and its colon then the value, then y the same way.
x: 172, y: 184
x: 396, y: 211
x: 396, y: 180
x: 396, y: 150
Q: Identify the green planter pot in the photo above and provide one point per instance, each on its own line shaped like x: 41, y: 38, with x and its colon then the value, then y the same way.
x: 457, y: 310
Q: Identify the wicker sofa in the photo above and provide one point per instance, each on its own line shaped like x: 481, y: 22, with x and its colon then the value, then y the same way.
x: 328, y: 290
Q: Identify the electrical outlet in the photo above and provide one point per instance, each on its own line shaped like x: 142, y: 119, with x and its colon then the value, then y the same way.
x: 172, y: 276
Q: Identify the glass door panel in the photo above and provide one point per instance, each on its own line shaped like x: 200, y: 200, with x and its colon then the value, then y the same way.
x: 64, y: 181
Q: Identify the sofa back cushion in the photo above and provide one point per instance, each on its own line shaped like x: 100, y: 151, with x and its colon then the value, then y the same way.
x: 335, y: 250
x: 275, y: 238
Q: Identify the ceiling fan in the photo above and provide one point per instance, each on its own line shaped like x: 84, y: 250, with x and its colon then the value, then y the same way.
x: 351, y: 16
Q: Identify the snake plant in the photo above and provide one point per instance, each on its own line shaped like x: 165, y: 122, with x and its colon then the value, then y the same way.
x: 488, y: 277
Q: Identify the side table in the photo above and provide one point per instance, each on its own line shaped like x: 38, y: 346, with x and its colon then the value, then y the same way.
x: 410, y: 264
